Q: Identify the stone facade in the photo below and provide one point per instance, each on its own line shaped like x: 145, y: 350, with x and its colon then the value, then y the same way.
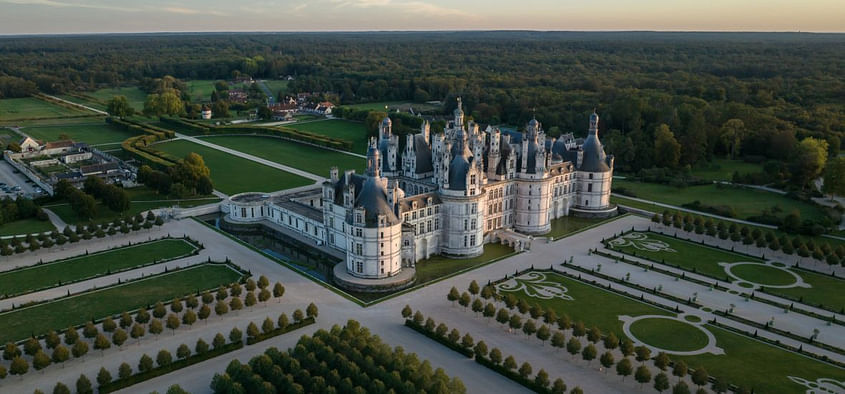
x: 445, y: 194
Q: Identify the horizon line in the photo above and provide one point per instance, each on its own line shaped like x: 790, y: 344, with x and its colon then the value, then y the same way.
x: 152, y: 32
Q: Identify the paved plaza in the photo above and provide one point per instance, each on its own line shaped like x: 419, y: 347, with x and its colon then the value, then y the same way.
x: 384, y: 319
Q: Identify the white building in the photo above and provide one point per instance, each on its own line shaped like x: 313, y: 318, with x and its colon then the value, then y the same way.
x: 443, y: 194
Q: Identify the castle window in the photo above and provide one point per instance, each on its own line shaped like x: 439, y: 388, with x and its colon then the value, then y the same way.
x: 414, y: 215
x: 465, y: 241
x: 437, y: 209
x: 466, y: 224
x: 429, y: 211
x: 590, y: 187
x: 428, y: 225
x: 437, y: 224
x: 473, y: 224
x: 331, y: 238
x: 382, y: 236
x: 357, y: 232
x: 243, y: 212
x: 474, y: 207
x: 359, y: 249
x: 360, y: 267
x: 472, y: 241
x: 382, y: 270
x: 421, y: 227
x: 591, y: 176
x: 406, y: 217
x: 472, y: 179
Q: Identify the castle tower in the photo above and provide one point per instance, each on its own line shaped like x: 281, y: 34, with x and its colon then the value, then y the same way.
x: 594, y: 172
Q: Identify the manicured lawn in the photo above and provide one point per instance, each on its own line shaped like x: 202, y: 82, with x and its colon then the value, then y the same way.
x: 764, y: 274
x: 81, y: 267
x: 439, y: 266
x: 141, y: 200
x: 376, y: 106
x: 304, y: 157
x: 591, y: 305
x: 91, y: 133
x: 134, y: 95
x: 32, y: 108
x: 566, y: 225
x: 723, y: 169
x: 232, y: 174
x: 655, y: 208
x: 687, y: 255
x: 669, y: 334
x: 342, y: 129
x: 94, y: 118
x: 39, y: 319
x: 26, y: 226
x: 824, y: 290
x: 84, y: 100
x: 746, y: 361
x: 745, y: 202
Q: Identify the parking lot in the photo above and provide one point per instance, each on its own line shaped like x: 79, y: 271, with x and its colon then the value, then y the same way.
x: 13, y: 183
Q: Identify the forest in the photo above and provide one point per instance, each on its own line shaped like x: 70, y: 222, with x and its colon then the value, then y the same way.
x: 667, y: 100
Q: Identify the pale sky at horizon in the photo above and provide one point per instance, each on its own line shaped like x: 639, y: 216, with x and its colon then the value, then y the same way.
x: 116, y: 16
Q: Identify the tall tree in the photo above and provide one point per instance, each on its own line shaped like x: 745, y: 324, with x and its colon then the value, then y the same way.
x: 667, y: 150
x: 119, y: 106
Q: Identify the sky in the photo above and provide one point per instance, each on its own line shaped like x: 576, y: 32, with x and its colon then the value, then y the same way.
x: 114, y: 16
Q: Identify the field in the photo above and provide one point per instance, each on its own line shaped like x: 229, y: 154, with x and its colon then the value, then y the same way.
x: 134, y: 95
x: 723, y: 169
x: 438, y: 266
x: 90, y: 133
x: 232, y: 174
x: 142, y: 200
x: 42, y: 276
x: 36, y: 320
x: 745, y: 202
x: 341, y: 129
x: 746, y: 361
x: 704, y: 259
x: 15, y: 109
x: 26, y: 226
x: 304, y: 157
x: 200, y: 90
x: 276, y: 85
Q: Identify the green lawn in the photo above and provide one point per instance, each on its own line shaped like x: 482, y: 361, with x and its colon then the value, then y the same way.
x: 36, y: 320
x: 26, y: 226
x: 745, y: 202
x: 232, y: 174
x: 94, y: 118
x: 341, y: 129
x: 84, y: 100
x: 134, y: 95
x: 438, y: 266
x: 91, y: 133
x: 304, y: 157
x: 276, y: 85
x: 746, y: 361
x: 200, y: 90
x: 33, y: 108
x: 669, y: 334
x: 141, y: 199
x: 376, y: 106
x: 723, y: 169
x: 687, y: 255
x: 86, y: 266
x: 654, y: 208
x: 393, y: 106
x: 824, y: 290
x: 566, y: 225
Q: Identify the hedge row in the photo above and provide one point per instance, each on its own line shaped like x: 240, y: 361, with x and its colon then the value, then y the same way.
x: 442, y: 340
x: 176, y: 365
x: 195, y: 126
x: 768, y: 327
x: 280, y: 330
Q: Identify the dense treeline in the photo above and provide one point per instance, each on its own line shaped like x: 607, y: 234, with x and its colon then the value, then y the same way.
x: 688, y: 95
x: 343, y: 360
